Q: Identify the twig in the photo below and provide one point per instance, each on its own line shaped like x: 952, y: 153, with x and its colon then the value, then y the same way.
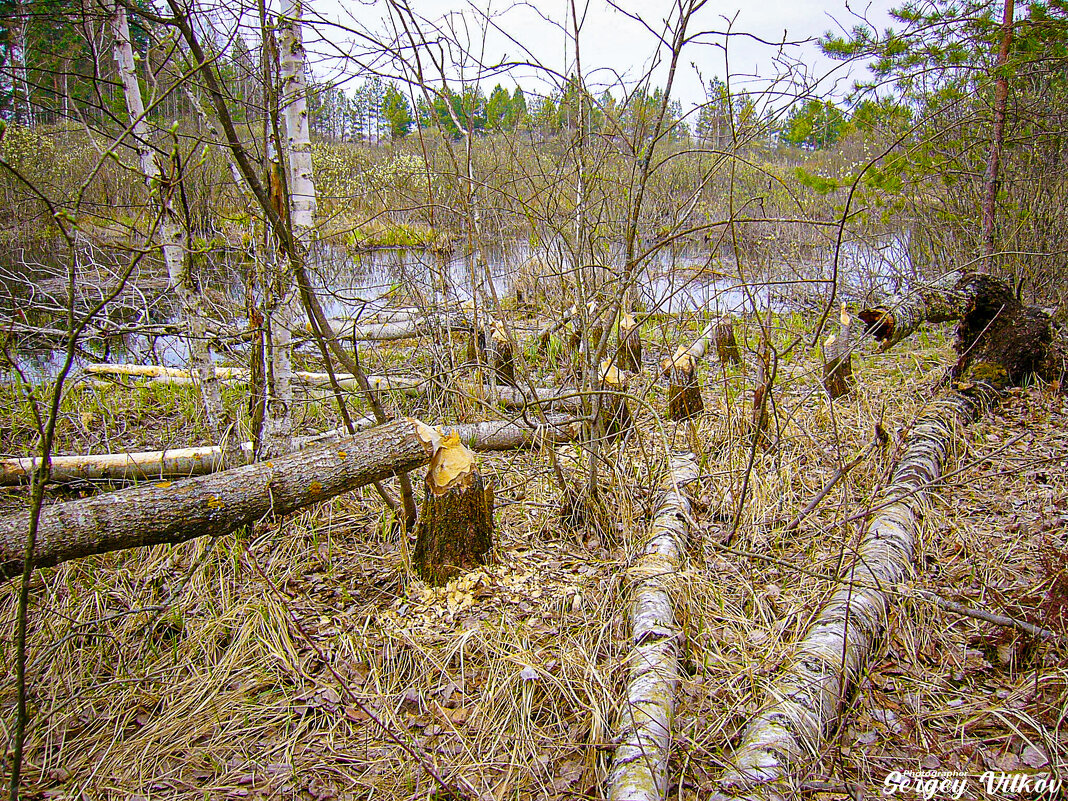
x: 880, y: 439
x: 990, y: 617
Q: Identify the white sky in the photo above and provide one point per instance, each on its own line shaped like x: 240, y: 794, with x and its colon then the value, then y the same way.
x: 615, y: 47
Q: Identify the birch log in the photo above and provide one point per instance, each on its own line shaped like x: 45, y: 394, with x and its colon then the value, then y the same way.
x: 491, y: 435
x: 177, y: 376
x: 639, y: 767
x: 803, y: 703
x: 176, y: 511
x: 937, y: 302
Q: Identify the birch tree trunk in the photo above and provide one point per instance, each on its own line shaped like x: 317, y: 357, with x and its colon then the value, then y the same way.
x: 803, y: 703
x: 639, y: 767
x: 175, y: 244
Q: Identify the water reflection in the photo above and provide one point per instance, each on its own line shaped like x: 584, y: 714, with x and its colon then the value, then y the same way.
x: 360, y: 286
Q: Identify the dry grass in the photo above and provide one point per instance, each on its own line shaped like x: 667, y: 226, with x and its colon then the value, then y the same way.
x: 256, y: 668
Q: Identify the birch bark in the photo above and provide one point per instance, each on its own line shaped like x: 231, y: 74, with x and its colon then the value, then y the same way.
x: 175, y: 237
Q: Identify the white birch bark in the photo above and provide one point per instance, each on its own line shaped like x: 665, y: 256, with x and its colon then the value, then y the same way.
x: 278, y: 425
x: 175, y: 244
x: 176, y: 377
x: 294, y: 99
x: 639, y: 767
x: 803, y: 703
x: 938, y: 302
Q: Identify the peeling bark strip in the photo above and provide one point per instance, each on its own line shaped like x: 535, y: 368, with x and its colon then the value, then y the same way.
x: 639, y: 767
x: 170, y: 512
x: 804, y: 701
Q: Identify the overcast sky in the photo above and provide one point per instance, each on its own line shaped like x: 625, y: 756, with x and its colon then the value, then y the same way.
x: 617, y: 48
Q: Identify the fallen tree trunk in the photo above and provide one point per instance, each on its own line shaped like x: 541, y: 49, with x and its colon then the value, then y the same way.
x: 180, y: 377
x: 999, y: 340
x: 564, y: 398
x: 176, y: 511
x: 492, y: 435
x: 938, y: 302
x: 804, y: 701
x: 640, y: 763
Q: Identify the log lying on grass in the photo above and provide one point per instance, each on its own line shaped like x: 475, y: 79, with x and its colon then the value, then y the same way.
x: 455, y: 530
x: 177, y: 376
x: 492, y: 435
x: 176, y: 511
x: 999, y: 340
x: 803, y: 703
x: 639, y: 767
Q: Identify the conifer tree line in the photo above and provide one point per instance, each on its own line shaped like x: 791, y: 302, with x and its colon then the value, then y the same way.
x: 914, y: 139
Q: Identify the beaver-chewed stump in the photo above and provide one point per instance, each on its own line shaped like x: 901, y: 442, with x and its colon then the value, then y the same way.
x: 503, y: 356
x: 455, y: 530
x: 838, y: 359
x: 629, y: 353
x: 615, y: 413
x: 727, y: 349
x: 684, y: 391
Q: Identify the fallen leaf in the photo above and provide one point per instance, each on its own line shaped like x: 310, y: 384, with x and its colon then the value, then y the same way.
x: 1033, y: 757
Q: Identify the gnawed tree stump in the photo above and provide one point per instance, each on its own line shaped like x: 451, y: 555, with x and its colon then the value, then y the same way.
x: 727, y: 349
x: 629, y: 353
x: 838, y: 359
x: 761, y: 421
x: 684, y: 390
x: 640, y: 764
x: 455, y: 529
x: 503, y: 357
x: 614, y: 411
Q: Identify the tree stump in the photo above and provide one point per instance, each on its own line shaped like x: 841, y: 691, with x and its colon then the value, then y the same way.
x: 838, y: 360
x: 476, y: 346
x: 726, y: 345
x: 684, y: 391
x: 615, y: 413
x: 629, y: 354
x: 455, y: 530
x: 502, y: 355
x: 762, y: 397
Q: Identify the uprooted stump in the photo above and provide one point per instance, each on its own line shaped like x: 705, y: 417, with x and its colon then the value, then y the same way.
x: 455, y: 530
x: 1000, y: 341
